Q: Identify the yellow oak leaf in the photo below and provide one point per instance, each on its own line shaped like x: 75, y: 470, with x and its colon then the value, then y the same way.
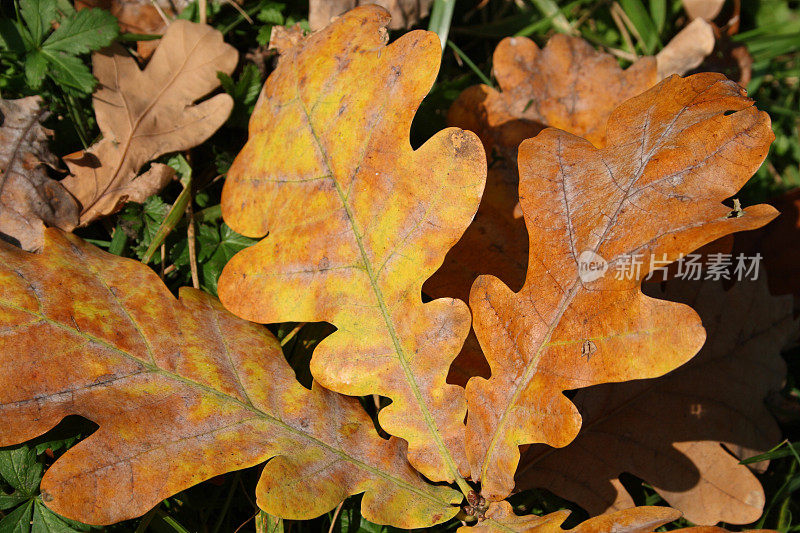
x: 355, y: 221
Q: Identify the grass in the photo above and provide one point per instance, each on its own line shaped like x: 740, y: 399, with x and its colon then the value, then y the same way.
x: 157, y: 232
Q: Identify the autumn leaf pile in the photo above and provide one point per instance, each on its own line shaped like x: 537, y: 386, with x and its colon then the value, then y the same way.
x: 453, y: 287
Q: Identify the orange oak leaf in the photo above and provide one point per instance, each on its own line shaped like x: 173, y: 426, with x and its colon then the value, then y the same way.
x: 29, y: 198
x: 182, y: 391
x: 716, y: 398
x: 568, y: 85
x: 357, y: 220
x: 500, y: 518
x: 147, y: 113
x: 673, y: 155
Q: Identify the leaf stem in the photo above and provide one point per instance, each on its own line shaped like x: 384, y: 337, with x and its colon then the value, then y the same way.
x: 190, y: 237
x: 203, y: 11
x: 335, y: 516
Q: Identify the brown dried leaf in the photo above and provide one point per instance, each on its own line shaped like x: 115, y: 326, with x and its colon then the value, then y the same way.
x: 355, y: 221
x: 686, y: 50
x: 705, y: 9
x: 404, y: 13
x: 282, y: 39
x: 147, y: 113
x: 668, y: 431
x: 500, y: 518
x: 28, y: 197
x: 182, y: 391
x: 673, y: 155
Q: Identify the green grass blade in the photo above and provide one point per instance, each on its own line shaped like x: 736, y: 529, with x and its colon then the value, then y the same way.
x: 441, y: 18
x: 470, y: 64
x: 658, y: 13
x: 550, y: 10
x: 645, y: 27
x: 170, y: 221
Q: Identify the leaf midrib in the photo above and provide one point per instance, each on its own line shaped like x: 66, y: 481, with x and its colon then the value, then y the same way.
x: 402, y: 358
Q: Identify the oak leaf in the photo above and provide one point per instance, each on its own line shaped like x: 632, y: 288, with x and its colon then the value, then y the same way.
x: 705, y: 9
x: 568, y: 85
x: 655, y: 191
x: 29, y: 198
x: 147, y: 113
x: 182, y: 391
x: 687, y: 49
x: 357, y: 220
x: 716, y: 398
x: 501, y: 518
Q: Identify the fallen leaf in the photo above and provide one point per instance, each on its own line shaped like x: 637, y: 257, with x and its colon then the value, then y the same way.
x: 404, y: 13
x: 568, y: 85
x: 28, y: 197
x: 501, y: 518
x: 282, y: 38
x: 145, y: 114
x: 704, y: 9
x: 670, y: 431
x: 672, y: 157
x: 182, y: 391
x: 139, y: 16
x: 686, y: 50
x: 357, y: 220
